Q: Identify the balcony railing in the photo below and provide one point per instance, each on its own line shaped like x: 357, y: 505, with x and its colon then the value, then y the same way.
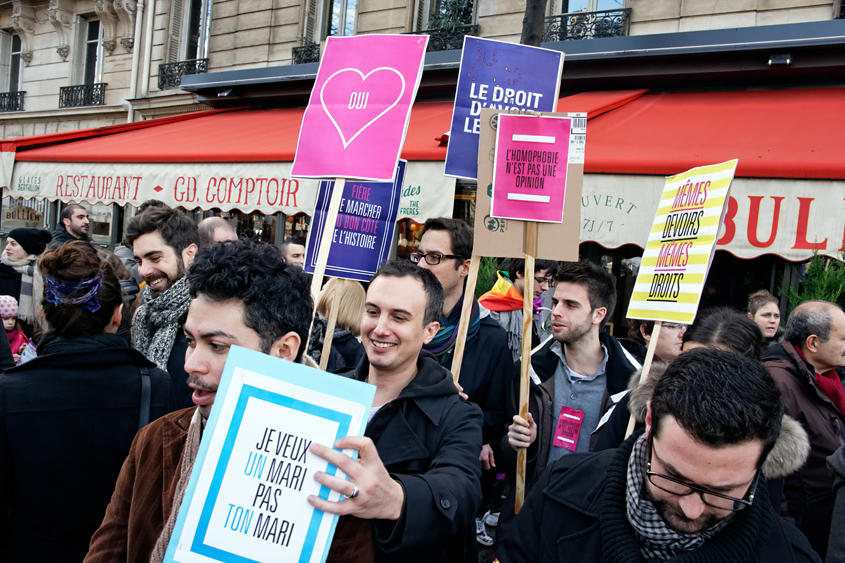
x: 170, y: 74
x: 82, y: 95
x: 11, y: 101
x: 448, y: 39
x: 587, y: 25
x: 308, y: 53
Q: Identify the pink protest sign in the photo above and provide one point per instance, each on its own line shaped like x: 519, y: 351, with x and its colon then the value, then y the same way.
x: 357, y: 117
x: 529, y: 169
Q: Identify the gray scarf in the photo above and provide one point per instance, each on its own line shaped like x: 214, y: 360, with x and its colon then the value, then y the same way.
x: 157, y: 320
x: 656, y: 539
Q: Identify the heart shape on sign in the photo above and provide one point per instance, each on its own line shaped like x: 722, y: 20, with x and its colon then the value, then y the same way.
x: 349, y: 82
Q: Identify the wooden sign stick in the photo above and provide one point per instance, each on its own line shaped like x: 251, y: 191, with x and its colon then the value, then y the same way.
x: 327, y: 342
x: 530, y: 248
x: 466, y: 312
x: 649, y: 356
x: 323, y: 253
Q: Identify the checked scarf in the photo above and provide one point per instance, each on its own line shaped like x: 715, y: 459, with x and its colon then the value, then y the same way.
x: 157, y: 320
x: 444, y: 341
x: 657, y: 540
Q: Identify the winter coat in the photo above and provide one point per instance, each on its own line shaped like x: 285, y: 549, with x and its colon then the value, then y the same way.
x: 346, y: 352
x: 10, y: 281
x: 67, y: 420
x: 788, y: 455
x: 485, y: 372
x: 808, y: 493
x: 836, y: 544
x: 61, y: 236
x: 576, y: 513
x: 429, y: 440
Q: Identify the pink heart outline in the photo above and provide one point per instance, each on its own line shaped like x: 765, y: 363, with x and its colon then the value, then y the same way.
x: 363, y: 78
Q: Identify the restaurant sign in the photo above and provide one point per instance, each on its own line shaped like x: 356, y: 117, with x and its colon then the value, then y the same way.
x: 785, y: 217
x: 266, y: 187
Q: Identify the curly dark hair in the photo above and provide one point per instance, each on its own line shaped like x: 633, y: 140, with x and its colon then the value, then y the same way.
x: 276, y: 297
x: 720, y: 398
x: 176, y: 229
x: 73, y: 262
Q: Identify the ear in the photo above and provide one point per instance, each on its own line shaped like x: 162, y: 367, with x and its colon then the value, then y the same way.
x: 646, y: 337
x: 812, y: 343
x: 66, y: 222
x: 750, y: 316
x: 648, y: 417
x: 430, y: 331
x: 519, y: 275
x: 286, y: 347
x: 188, y: 255
x: 463, y: 271
x: 598, y: 315
x: 117, y: 316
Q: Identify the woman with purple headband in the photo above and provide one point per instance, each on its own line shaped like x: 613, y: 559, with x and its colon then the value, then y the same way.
x: 68, y: 417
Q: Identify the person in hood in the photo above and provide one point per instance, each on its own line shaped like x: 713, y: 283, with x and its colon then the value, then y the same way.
x: 691, y: 486
x: 74, y: 225
x: 505, y: 302
x: 414, y: 489
x: 68, y: 417
x: 242, y: 294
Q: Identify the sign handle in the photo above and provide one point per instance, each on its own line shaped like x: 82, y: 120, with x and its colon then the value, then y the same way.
x: 530, y: 248
x: 327, y: 342
x: 323, y: 253
x: 649, y: 356
x: 466, y: 312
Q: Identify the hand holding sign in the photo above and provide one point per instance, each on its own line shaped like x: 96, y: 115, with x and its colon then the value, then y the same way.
x: 379, y: 496
x: 522, y: 433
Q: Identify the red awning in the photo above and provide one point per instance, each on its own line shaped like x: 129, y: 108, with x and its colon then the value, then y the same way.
x: 253, y: 135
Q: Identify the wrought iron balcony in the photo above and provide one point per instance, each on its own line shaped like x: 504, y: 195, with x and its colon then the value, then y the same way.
x: 82, y: 95
x: 308, y: 53
x: 170, y: 74
x: 446, y: 39
x: 587, y: 25
x: 11, y: 101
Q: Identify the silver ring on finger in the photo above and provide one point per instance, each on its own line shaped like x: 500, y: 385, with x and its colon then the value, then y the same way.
x: 354, y: 492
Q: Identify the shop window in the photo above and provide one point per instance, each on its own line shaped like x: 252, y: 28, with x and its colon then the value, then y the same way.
x: 408, y: 234
x: 99, y: 222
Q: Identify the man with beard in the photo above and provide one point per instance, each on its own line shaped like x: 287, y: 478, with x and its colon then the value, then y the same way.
x: 74, y: 226
x: 690, y: 487
x: 293, y: 251
x: 575, y: 377
x: 164, y: 242
x: 243, y: 294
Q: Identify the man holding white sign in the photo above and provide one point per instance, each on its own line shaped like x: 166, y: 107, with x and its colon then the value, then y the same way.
x: 245, y: 295
x: 417, y: 478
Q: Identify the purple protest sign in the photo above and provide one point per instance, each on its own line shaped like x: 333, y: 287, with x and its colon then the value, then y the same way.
x: 363, y: 234
x: 499, y: 75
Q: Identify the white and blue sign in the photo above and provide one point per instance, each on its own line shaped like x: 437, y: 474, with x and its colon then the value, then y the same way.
x: 363, y: 234
x: 247, y: 498
x: 499, y: 75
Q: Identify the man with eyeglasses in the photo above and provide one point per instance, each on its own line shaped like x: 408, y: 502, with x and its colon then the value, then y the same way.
x: 486, y: 370
x: 505, y: 302
x: 689, y: 487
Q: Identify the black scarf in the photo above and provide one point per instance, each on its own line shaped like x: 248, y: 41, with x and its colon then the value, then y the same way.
x: 740, y: 541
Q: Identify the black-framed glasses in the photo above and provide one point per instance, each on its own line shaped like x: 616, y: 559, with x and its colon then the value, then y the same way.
x: 432, y: 259
x: 548, y: 281
x: 710, y: 498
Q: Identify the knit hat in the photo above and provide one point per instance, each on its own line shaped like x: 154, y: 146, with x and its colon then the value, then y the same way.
x: 8, y: 306
x: 34, y: 241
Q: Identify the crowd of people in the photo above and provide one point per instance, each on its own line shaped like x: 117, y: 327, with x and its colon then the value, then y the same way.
x: 730, y: 448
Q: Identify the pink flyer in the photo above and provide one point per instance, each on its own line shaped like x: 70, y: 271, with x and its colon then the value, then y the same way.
x: 529, y: 170
x: 357, y: 117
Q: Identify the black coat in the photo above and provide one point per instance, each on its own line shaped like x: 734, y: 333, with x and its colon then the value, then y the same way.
x: 576, y: 513
x: 67, y: 420
x: 10, y: 282
x: 61, y: 236
x: 485, y: 372
x: 176, y: 369
x: 429, y: 439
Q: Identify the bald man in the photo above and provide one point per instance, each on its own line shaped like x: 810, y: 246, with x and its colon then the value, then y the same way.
x: 215, y: 229
x: 804, y: 366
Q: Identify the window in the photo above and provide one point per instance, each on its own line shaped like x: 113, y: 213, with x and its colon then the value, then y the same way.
x: 339, y: 18
x: 190, y: 24
x: 10, y: 62
x: 93, y: 64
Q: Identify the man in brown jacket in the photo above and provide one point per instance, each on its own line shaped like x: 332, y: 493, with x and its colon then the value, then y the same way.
x: 243, y: 294
x: 804, y: 366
